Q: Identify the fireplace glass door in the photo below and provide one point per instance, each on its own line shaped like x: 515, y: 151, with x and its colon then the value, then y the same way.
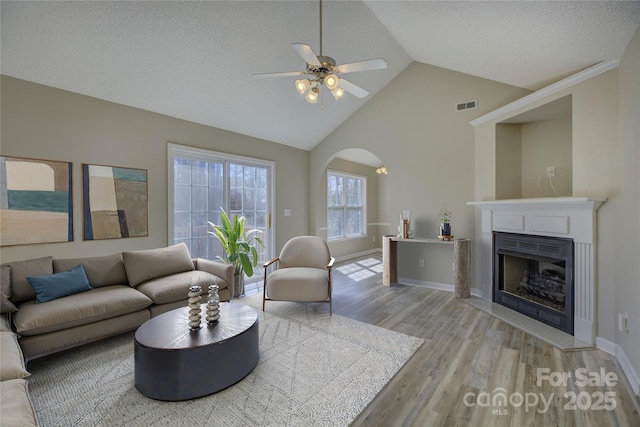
x: 533, y: 275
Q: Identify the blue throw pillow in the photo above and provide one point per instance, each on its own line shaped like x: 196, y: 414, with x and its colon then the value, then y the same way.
x: 60, y: 284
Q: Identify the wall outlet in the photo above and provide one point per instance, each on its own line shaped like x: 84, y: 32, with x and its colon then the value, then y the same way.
x: 287, y: 212
x: 421, y: 263
x: 373, y: 239
x: 551, y: 171
x: 623, y: 322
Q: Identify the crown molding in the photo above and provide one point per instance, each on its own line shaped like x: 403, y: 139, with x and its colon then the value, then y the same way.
x: 563, y: 84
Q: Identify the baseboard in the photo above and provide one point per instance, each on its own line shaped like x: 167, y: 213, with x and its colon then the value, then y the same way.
x: 359, y: 254
x: 606, y: 345
x: 617, y: 351
x: 476, y: 292
x: 435, y: 285
x: 627, y: 368
x: 426, y: 284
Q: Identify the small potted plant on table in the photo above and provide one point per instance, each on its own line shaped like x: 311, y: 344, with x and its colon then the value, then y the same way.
x: 239, y: 247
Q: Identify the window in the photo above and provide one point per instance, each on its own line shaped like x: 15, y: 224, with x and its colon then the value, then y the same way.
x: 201, y: 182
x: 346, y: 205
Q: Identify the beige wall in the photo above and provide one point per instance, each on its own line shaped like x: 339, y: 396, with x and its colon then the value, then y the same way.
x: 47, y: 123
x: 596, y: 165
x: 508, y: 161
x: 627, y: 229
x: 546, y: 143
x: 427, y: 147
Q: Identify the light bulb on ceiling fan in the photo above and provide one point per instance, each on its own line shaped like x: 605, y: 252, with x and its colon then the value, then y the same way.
x: 337, y: 93
x: 331, y: 81
x: 312, y: 96
x: 302, y: 85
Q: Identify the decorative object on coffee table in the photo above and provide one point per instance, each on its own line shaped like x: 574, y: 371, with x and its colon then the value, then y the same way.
x: 213, y: 305
x: 445, y: 224
x: 195, y: 308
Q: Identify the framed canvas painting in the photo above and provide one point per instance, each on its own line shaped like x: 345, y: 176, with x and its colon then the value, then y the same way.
x: 115, y: 202
x: 36, y: 201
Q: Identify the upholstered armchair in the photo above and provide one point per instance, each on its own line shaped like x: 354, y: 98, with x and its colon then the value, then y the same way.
x: 302, y: 273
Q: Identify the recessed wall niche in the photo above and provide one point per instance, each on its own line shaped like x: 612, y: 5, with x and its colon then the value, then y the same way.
x: 527, y: 145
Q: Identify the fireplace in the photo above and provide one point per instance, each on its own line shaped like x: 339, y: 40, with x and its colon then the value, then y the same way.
x: 534, y: 275
x: 571, y: 218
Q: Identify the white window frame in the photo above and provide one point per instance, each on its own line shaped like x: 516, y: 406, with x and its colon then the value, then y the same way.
x: 364, y: 205
x: 193, y: 153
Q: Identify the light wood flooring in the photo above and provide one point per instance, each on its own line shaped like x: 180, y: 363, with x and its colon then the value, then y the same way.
x: 468, y: 352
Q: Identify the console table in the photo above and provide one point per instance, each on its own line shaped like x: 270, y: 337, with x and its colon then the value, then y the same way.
x: 461, y: 261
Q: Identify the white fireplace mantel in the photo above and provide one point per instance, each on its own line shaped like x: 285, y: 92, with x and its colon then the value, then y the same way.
x: 568, y: 217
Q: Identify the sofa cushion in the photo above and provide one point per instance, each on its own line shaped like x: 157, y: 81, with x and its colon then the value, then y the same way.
x: 78, y: 309
x: 150, y: 264
x: 176, y: 286
x: 12, y: 366
x: 21, y: 290
x: 298, y: 284
x: 17, y: 409
x: 101, y: 270
x: 6, y: 306
x: 58, y: 285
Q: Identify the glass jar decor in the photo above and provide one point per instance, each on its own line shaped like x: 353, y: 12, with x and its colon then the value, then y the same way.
x: 195, y: 309
x: 213, y: 305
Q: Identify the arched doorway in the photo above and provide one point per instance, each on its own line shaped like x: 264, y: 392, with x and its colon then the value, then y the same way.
x: 353, y: 164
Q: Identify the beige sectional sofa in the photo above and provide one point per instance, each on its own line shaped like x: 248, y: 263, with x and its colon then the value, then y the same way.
x: 126, y: 289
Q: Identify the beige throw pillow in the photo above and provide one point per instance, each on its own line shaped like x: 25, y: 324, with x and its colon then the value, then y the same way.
x: 6, y: 306
x: 21, y: 290
x: 145, y: 265
x: 12, y: 366
x: 101, y: 270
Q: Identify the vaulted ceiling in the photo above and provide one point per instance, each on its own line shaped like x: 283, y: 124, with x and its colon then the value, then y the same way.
x: 194, y: 60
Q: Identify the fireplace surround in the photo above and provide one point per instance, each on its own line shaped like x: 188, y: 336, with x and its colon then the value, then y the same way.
x: 563, y: 217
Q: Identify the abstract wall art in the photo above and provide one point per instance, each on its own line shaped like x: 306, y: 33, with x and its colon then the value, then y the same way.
x: 115, y: 202
x: 36, y: 201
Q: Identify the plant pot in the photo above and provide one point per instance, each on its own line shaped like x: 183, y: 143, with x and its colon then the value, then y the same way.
x: 445, y: 229
x: 238, y: 285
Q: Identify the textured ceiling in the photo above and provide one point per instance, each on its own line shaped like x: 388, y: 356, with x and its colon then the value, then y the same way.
x: 194, y: 60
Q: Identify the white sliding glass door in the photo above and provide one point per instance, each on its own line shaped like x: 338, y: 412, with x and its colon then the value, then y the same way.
x: 201, y: 182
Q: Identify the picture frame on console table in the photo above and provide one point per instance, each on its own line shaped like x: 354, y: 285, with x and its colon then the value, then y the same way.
x: 36, y: 201
x: 115, y: 202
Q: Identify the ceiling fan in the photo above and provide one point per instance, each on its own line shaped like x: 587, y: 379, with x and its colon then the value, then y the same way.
x: 322, y: 70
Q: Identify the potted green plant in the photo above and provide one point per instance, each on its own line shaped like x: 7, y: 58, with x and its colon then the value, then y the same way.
x: 239, y: 247
x: 445, y: 223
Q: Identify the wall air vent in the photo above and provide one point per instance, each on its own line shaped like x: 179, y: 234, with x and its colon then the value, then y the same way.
x: 468, y: 105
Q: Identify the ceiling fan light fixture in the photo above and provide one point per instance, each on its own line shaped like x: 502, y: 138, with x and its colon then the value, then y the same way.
x: 337, y: 93
x: 312, y: 96
x: 302, y: 85
x: 331, y: 81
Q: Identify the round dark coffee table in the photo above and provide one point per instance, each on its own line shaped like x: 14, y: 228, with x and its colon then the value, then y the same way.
x: 173, y: 363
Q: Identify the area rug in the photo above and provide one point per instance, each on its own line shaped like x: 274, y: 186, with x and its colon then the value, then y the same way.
x: 314, y: 370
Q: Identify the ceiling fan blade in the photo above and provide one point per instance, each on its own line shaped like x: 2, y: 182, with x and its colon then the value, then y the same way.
x: 283, y: 74
x: 370, y: 64
x: 307, y: 54
x: 353, y: 89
